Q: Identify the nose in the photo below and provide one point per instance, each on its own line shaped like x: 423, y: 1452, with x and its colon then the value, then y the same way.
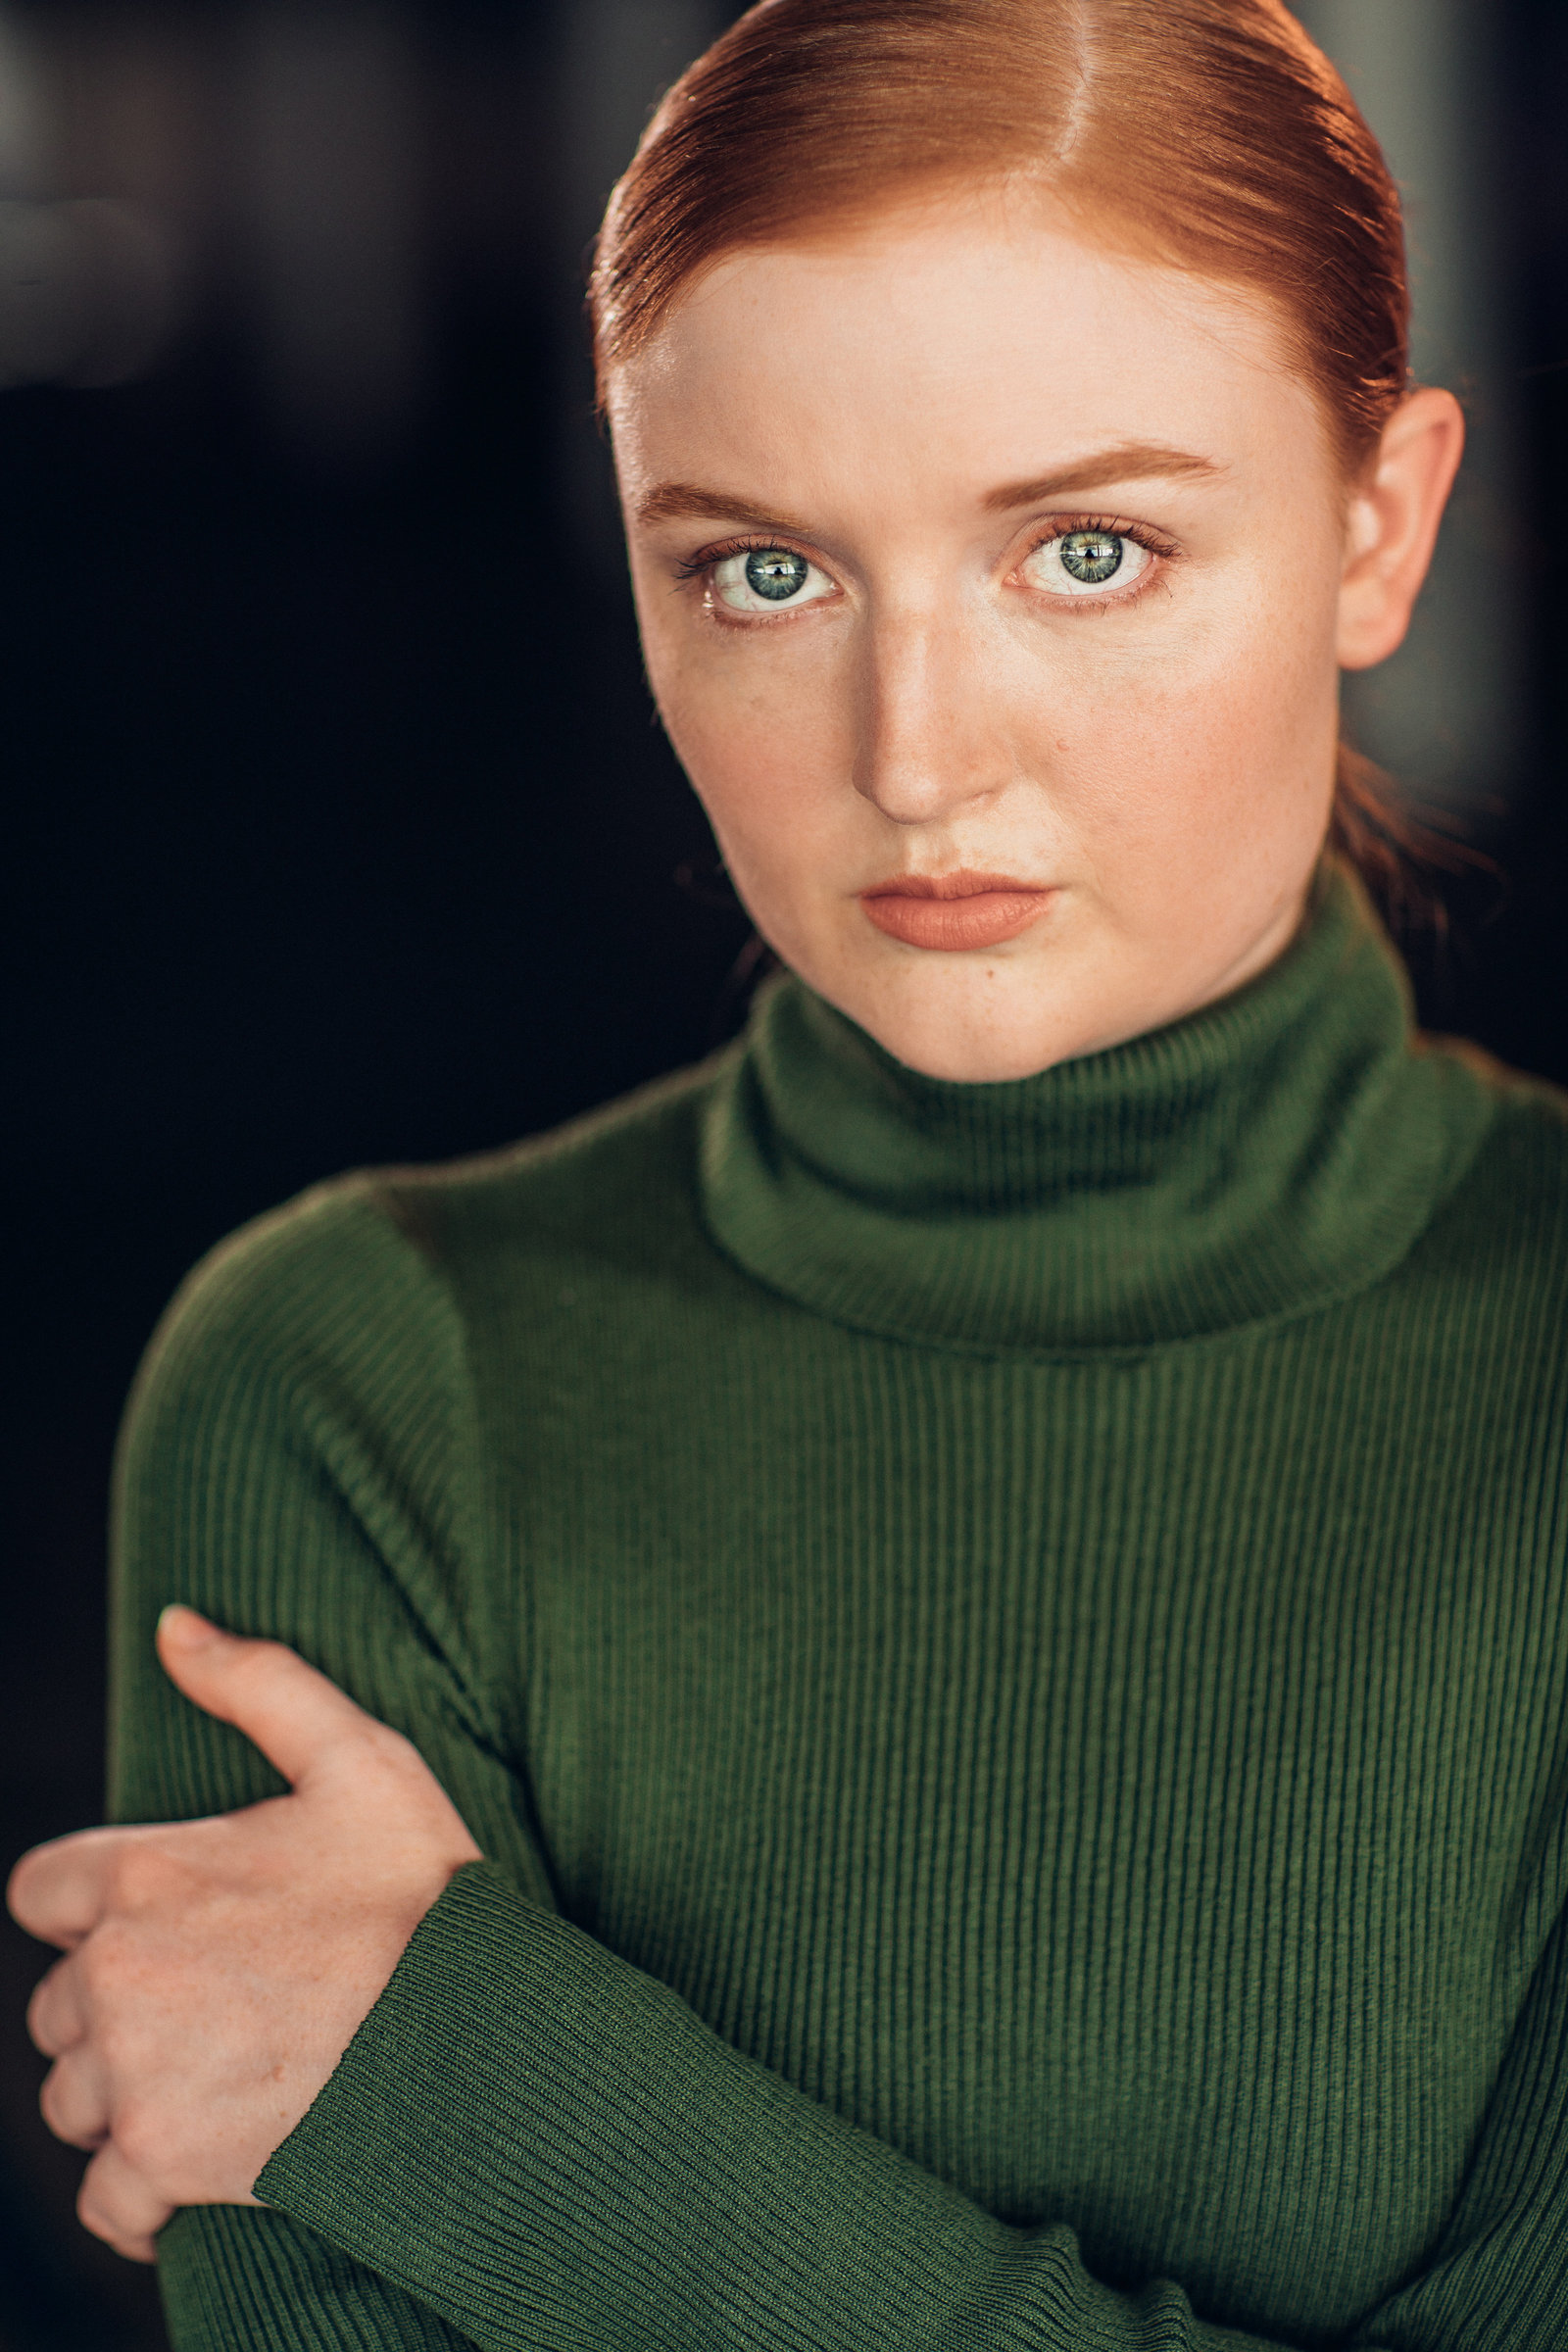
x: 928, y: 733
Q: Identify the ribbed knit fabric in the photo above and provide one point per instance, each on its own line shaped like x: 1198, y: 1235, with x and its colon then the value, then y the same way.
x: 1008, y: 1649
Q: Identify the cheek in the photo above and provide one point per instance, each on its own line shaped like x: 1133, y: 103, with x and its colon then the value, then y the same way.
x: 1221, y: 708
x: 759, y: 736
x: 756, y: 759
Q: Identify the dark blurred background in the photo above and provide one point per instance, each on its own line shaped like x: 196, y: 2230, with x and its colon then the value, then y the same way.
x: 338, y: 829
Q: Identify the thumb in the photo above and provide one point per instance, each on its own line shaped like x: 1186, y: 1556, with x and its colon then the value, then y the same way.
x: 294, y: 1715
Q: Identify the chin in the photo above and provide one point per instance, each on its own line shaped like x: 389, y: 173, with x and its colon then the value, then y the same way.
x: 980, y: 1026
x: 976, y: 1062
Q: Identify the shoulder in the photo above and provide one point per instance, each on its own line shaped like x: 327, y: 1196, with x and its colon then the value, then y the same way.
x: 302, y: 1455
x: 351, y: 1295
x: 618, y: 1185
x: 323, y: 1288
x: 1524, y: 1142
x: 583, y: 1239
x: 1506, y: 1221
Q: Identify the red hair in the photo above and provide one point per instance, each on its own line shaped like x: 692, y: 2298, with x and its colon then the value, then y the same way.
x: 1211, y: 134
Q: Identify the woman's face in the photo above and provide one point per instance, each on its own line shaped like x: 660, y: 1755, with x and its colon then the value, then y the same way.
x: 993, y: 590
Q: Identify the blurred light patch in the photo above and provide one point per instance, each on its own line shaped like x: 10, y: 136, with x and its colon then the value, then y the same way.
x: 86, y: 292
x: 332, y: 222
x: 260, y: 169
x: 617, y: 58
x: 24, y: 124
x: 1446, y: 714
x: 88, y: 283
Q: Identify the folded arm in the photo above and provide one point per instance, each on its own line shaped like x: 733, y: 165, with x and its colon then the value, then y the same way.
x: 538, y: 2143
x: 530, y: 2141
x: 215, y: 1971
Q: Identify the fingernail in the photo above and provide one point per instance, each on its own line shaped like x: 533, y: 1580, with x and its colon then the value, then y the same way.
x: 187, y: 1628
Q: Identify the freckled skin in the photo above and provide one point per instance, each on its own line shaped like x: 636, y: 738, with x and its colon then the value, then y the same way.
x: 1161, y: 757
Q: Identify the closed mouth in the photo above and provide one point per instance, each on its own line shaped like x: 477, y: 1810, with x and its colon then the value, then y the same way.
x: 954, y: 913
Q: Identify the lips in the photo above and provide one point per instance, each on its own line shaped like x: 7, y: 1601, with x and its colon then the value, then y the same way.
x: 953, y: 912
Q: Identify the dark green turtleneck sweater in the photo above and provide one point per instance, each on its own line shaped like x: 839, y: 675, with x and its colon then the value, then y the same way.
x: 1007, y: 1646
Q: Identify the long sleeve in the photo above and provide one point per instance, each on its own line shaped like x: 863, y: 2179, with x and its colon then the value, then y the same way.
x: 293, y: 1463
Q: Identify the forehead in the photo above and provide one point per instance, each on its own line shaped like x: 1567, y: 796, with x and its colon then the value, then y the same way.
x: 969, y: 339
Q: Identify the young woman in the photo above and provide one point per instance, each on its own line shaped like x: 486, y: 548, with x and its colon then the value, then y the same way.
x: 987, y: 1571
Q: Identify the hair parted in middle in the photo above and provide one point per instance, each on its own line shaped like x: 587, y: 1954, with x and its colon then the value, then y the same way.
x: 1212, y: 134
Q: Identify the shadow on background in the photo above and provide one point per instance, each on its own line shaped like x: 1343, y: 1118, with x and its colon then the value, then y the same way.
x: 338, y: 828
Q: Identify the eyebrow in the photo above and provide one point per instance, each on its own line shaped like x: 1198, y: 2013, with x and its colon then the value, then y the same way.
x: 1129, y: 461
x: 673, y: 500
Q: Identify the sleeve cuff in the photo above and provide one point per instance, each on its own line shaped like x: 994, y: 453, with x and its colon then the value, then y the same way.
x: 546, y: 2145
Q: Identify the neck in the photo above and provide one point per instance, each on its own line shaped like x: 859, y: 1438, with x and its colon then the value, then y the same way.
x: 1275, y: 1151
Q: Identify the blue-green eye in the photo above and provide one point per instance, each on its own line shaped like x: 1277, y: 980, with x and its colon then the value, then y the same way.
x: 764, y: 578
x: 1082, y: 563
x: 776, y: 573
x: 1093, y: 557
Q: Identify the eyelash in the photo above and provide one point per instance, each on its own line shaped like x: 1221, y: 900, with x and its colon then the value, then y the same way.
x: 1059, y: 526
x: 692, y: 568
x: 1117, y: 526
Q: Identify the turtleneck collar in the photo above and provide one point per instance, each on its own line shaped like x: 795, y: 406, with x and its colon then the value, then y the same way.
x: 1279, y: 1150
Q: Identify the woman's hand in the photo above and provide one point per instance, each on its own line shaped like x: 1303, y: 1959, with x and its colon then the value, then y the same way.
x: 216, y: 1970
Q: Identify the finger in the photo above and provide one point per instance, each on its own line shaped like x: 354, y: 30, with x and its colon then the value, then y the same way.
x: 295, y: 1716
x: 75, y: 2101
x: 118, y: 2206
x: 58, y: 1890
x: 57, y: 2016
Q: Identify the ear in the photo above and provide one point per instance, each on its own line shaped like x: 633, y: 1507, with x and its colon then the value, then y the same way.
x: 1392, y: 525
